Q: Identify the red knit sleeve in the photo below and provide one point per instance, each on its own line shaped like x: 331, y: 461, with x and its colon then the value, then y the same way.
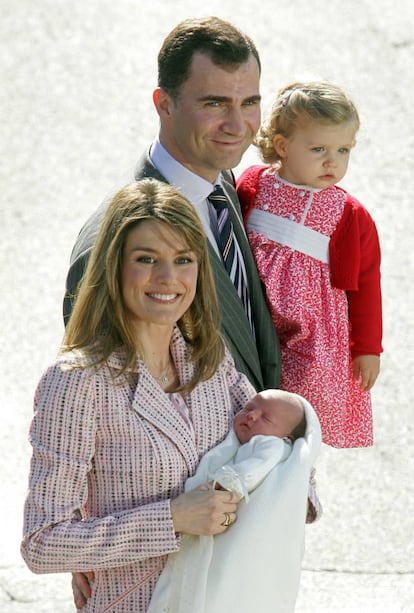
x: 246, y: 186
x: 364, y: 303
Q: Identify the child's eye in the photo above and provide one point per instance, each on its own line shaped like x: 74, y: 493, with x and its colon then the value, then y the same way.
x: 318, y: 149
x: 145, y: 259
x: 344, y: 150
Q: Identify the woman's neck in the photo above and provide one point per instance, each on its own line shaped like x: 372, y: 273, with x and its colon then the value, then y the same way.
x: 154, y: 349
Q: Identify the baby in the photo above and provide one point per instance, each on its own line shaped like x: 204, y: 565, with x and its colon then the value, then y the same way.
x: 268, y: 454
x: 273, y: 413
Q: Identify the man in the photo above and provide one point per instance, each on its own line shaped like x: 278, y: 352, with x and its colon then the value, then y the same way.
x: 208, y: 102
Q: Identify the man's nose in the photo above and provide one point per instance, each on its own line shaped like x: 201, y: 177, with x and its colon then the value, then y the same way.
x: 234, y: 123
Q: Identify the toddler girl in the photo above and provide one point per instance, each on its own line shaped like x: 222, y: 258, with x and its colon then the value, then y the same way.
x: 317, y: 252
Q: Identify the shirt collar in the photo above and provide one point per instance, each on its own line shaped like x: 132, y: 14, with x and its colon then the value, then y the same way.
x: 194, y: 187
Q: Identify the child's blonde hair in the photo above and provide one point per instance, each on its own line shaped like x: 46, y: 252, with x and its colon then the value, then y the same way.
x: 298, y: 103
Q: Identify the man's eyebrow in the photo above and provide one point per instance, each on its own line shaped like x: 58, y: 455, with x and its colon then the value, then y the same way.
x: 214, y: 98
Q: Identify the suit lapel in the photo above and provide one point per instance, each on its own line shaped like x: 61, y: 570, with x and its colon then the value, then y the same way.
x: 234, y: 323
x: 153, y: 405
x: 267, y: 342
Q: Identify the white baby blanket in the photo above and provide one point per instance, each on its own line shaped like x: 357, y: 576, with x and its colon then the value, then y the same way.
x: 255, y: 564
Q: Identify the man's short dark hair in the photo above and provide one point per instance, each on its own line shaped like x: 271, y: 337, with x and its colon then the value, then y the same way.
x: 220, y: 40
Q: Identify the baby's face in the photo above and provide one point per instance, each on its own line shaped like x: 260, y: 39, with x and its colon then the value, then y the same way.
x: 271, y: 416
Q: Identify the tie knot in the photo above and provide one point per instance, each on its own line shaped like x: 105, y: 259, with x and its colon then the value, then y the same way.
x: 218, y: 198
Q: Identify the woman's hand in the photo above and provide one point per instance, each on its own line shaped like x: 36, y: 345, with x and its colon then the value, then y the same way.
x: 366, y: 368
x: 81, y: 588
x: 204, y: 511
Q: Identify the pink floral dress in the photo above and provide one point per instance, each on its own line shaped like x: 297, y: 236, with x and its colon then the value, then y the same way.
x: 311, y: 316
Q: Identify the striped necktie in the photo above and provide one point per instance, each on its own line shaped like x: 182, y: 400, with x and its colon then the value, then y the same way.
x: 225, y: 238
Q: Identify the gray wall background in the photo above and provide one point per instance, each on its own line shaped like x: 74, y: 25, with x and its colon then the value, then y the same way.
x: 76, y: 111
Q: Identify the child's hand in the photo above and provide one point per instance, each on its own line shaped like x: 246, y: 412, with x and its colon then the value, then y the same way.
x: 366, y: 368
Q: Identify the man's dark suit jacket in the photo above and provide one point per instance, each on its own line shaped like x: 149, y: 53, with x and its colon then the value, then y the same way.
x: 259, y: 359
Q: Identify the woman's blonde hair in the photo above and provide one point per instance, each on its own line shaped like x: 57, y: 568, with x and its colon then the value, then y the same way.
x: 100, y: 322
x: 301, y: 102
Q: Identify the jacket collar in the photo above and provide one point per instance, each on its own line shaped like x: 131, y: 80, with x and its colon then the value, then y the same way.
x: 151, y: 403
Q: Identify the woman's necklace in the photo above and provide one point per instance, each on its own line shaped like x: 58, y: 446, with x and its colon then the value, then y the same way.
x: 164, y: 378
x: 166, y: 375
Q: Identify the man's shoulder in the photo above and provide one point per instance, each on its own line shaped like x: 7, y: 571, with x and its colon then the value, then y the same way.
x: 87, y: 235
x: 144, y: 168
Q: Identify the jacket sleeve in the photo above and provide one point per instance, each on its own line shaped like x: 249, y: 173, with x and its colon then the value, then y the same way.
x: 355, y: 258
x: 59, y: 534
x: 364, y: 303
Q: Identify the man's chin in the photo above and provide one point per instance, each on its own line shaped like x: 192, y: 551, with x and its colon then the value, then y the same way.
x: 228, y: 162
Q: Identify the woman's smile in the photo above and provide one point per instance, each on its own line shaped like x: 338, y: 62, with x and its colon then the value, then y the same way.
x: 159, y: 274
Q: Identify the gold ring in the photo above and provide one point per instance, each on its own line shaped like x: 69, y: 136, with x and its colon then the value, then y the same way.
x: 227, y: 521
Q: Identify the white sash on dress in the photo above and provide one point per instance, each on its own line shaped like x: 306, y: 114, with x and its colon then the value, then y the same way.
x: 290, y: 233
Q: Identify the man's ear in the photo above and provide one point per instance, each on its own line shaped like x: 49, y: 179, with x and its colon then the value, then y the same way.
x: 280, y: 145
x: 162, y: 101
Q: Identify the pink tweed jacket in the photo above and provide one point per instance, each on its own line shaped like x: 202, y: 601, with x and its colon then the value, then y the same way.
x: 107, y: 458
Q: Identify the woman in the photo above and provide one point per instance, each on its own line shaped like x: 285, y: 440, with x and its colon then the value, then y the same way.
x: 143, y: 388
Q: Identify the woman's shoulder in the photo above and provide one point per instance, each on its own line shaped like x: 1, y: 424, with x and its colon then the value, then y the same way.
x: 78, y: 359
x: 83, y: 363
x: 234, y: 378
x: 78, y: 374
x: 69, y: 365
